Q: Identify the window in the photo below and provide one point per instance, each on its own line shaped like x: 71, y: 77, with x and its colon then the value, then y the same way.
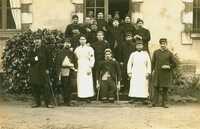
x: 196, y: 16
x: 92, y: 7
x: 10, y: 15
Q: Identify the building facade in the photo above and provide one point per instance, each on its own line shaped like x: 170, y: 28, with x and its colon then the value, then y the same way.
x: 177, y: 20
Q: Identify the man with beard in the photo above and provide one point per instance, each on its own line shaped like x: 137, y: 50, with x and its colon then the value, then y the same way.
x: 139, y: 70
x: 127, y: 26
x: 142, y: 34
x: 65, y: 66
x: 127, y: 48
x: 115, y: 39
x: 108, y: 77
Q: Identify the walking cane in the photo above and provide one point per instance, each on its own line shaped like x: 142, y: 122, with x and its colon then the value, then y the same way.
x: 98, y: 91
x: 52, y: 92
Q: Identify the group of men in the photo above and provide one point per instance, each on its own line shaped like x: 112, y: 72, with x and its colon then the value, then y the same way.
x: 104, y: 55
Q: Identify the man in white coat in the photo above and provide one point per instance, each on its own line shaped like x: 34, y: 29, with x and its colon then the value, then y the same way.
x: 139, y: 69
x: 85, y: 56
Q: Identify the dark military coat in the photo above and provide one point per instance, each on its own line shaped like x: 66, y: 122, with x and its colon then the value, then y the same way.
x: 146, y: 36
x: 38, y: 68
x: 163, y: 77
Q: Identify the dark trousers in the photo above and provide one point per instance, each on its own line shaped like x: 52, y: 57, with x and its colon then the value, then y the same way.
x: 108, y: 89
x: 41, y: 90
x: 66, y: 88
x: 160, y: 91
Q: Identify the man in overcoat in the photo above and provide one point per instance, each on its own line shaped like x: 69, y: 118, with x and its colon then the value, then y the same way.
x: 142, y: 33
x: 163, y: 63
x: 39, y: 78
x: 128, y: 47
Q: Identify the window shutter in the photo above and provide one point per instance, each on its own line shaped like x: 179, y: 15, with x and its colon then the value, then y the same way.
x: 187, y: 15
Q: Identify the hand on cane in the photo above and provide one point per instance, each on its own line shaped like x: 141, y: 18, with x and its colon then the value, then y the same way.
x: 97, y: 86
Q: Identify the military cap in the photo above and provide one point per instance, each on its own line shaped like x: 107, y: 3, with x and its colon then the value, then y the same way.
x: 139, y: 20
x: 74, y: 16
x: 162, y: 40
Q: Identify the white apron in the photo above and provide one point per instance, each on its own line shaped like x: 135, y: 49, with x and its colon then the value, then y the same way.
x: 139, y: 66
x: 85, y: 55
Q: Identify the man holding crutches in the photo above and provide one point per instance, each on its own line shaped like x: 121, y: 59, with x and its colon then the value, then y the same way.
x: 108, y: 78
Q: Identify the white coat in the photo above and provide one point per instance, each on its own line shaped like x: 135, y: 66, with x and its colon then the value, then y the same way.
x: 139, y: 66
x: 85, y: 55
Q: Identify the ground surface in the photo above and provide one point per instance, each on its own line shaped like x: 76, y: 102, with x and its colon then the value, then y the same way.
x: 19, y: 115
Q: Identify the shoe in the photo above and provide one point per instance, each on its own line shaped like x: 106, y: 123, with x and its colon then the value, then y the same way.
x: 152, y: 105
x: 35, y: 106
x: 131, y: 102
x: 165, y: 106
x: 49, y: 106
x: 111, y: 100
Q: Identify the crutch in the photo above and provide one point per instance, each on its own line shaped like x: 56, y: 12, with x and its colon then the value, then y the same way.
x: 117, y: 91
x: 52, y: 92
x: 98, y: 92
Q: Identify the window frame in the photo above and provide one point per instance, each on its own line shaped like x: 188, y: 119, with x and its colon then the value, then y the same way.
x: 4, y: 19
x: 96, y: 7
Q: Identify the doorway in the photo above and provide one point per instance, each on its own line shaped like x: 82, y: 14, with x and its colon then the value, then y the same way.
x: 120, y: 6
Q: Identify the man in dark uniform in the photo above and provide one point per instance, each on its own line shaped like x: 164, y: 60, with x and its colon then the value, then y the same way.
x: 115, y: 38
x: 127, y: 26
x: 65, y: 66
x: 163, y: 63
x: 99, y: 47
x: 102, y: 24
x: 142, y: 33
x: 92, y: 35
x: 39, y: 74
x: 108, y: 76
x: 128, y: 47
x: 73, y: 31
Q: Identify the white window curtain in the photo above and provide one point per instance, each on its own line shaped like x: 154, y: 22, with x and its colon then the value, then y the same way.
x: 16, y: 12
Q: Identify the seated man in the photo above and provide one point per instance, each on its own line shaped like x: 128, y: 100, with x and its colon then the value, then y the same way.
x: 108, y: 73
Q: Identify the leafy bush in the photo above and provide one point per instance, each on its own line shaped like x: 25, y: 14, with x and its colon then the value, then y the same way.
x: 16, y: 61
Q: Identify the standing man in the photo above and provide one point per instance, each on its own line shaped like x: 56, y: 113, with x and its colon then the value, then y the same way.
x: 115, y: 38
x: 102, y: 24
x: 108, y: 77
x: 142, y: 33
x: 65, y: 63
x: 73, y: 28
x: 163, y: 63
x: 139, y: 70
x: 127, y: 48
x: 85, y: 56
x: 39, y: 74
x: 73, y: 32
x: 127, y: 26
x: 99, y: 47
x: 92, y: 35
